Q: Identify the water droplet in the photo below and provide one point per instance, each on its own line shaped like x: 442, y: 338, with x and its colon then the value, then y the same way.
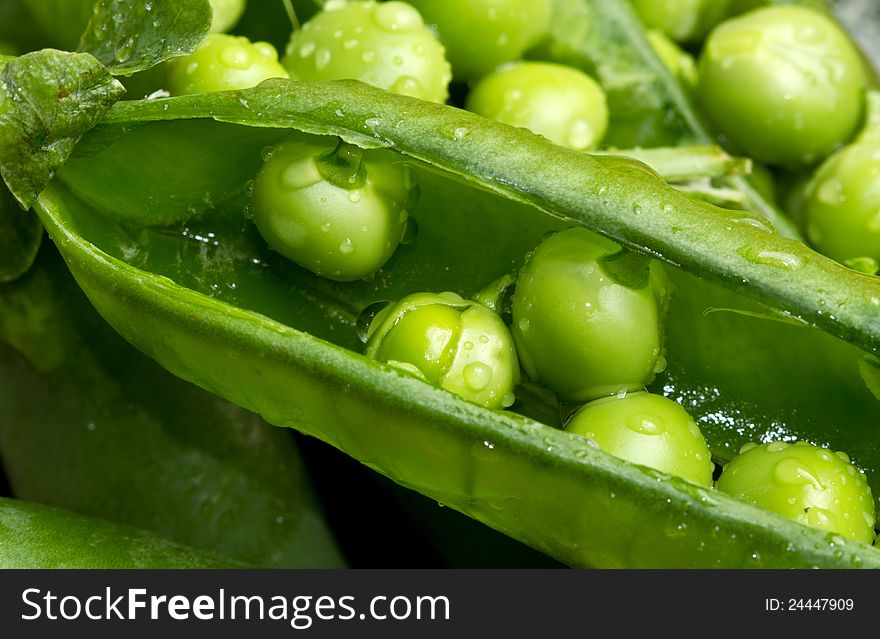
x: 322, y: 58
x: 484, y: 339
x: 397, y: 16
x: 821, y: 518
x: 779, y: 259
x: 368, y: 56
x: 236, y: 56
x: 372, y: 122
x: 775, y: 447
x: 747, y: 447
x: 267, y: 153
x: 350, y: 44
x: 125, y: 49
x: 524, y: 324
x: 299, y: 174
x: 581, y: 134
x: 307, y: 49
x: 651, y: 425
x: 794, y: 472
x: 660, y: 365
x: 477, y: 375
x: 830, y: 192
x: 192, y: 67
x: 842, y: 455
x: 354, y: 195
x: 346, y: 246
x: 365, y: 319
x: 407, y: 85
x: 755, y: 222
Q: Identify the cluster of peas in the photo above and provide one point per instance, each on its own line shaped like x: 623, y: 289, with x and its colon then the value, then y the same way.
x: 341, y: 211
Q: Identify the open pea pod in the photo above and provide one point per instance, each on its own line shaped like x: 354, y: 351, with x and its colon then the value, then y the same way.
x: 150, y: 216
x: 90, y: 425
x: 35, y: 536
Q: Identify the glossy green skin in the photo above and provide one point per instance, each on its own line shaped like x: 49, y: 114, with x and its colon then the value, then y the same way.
x: 647, y: 429
x: 384, y: 44
x: 226, y: 14
x: 842, y: 204
x: 459, y: 345
x: 806, y: 483
x: 783, y: 84
x: 481, y: 35
x: 561, y: 103
x: 35, y: 536
x: 682, y: 20
x: 577, y: 331
x: 340, y: 233
x: 223, y: 63
x: 677, y: 60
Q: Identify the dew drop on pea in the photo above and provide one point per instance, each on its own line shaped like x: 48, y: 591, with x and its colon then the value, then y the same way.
x: 406, y: 85
x: 323, y: 58
x: 794, y: 472
x: 645, y: 424
x: 477, y: 375
x: 397, y: 17
x: 236, y: 57
x: 267, y: 153
x: 365, y: 319
x: 821, y: 518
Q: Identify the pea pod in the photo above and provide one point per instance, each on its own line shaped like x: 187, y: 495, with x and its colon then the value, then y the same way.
x: 34, y: 536
x: 280, y: 341
x: 90, y: 425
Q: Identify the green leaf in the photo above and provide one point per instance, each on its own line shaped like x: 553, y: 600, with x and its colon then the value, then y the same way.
x: 201, y: 293
x: 128, y: 36
x: 48, y: 100
x: 90, y: 425
x: 34, y: 536
x: 20, y: 237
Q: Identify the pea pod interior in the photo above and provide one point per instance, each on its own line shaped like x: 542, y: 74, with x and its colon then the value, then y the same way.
x: 151, y: 217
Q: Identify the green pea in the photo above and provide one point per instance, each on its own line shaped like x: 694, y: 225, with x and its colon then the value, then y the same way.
x: 481, y: 35
x: 223, y: 63
x: 384, y: 44
x: 842, y: 205
x: 806, y: 483
x: 339, y: 212
x: 682, y: 20
x: 454, y: 343
x: 679, y: 62
x: 226, y: 14
x: 587, y: 316
x: 649, y: 430
x: 561, y: 103
x: 783, y: 84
